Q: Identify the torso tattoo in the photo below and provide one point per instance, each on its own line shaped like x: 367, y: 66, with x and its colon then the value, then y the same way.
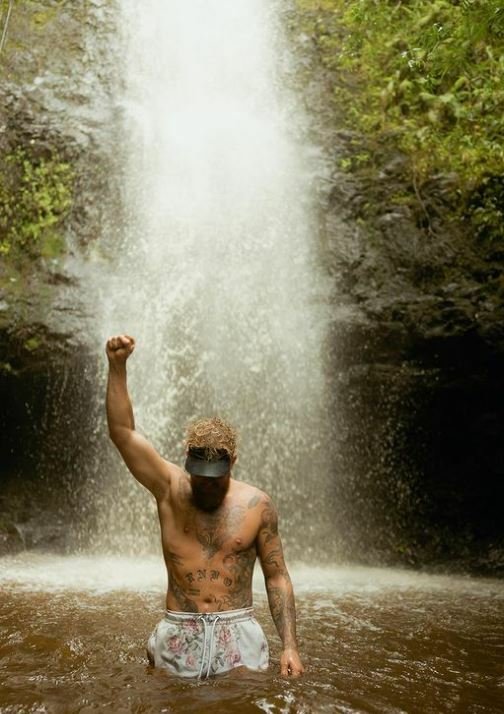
x: 210, y: 556
x: 212, y: 530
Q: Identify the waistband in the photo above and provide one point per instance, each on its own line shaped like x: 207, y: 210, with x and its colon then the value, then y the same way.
x: 244, y: 613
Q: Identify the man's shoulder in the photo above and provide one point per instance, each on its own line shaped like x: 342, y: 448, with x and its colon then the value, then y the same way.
x: 251, y: 496
x: 178, y: 485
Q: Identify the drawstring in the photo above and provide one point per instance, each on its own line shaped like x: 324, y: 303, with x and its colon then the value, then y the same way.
x: 210, y: 648
x: 204, y: 620
x: 201, y: 618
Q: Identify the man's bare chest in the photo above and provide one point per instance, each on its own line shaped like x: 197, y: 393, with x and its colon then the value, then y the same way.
x: 225, y: 531
x: 191, y: 533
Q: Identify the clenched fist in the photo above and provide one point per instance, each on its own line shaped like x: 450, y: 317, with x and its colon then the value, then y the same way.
x: 290, y: 664
x: 119, y: 348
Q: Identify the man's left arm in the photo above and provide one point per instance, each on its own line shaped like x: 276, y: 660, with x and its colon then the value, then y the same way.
x: 279, y: 587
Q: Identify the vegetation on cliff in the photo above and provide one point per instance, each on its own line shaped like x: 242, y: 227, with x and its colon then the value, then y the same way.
x: 36, y: 177
x: 35, y: 198
x: 428, y: 76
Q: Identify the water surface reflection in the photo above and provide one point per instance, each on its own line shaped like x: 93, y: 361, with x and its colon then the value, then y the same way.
x: 73, y: 632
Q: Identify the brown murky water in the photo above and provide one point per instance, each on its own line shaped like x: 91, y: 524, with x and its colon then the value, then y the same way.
x: 73, y: 633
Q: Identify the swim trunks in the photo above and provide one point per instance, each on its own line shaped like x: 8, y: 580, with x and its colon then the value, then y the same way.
x: 195, y: 644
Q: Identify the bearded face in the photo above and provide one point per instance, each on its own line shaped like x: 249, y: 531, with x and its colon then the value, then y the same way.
x: 208, y: 493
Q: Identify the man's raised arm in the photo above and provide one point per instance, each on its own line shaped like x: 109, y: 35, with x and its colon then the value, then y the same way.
x: 279, y: 588
x: 140, y: 457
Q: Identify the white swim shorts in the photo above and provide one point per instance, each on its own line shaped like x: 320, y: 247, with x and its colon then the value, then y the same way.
x: 195, y: 644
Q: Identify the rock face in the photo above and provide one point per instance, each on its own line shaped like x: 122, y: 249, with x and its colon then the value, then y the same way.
x: 56, y: 72
x: 55, y: 77
x: 417, y: 348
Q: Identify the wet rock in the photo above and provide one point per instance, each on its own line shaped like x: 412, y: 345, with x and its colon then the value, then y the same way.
x: 11, y: 541
x: 491, y: 561
x: 416, y: 347
x: 54, y: 103
x: 39, y: 534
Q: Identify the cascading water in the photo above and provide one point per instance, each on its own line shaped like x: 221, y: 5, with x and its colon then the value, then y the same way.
x: 208, y: 256
x: 212, y: 265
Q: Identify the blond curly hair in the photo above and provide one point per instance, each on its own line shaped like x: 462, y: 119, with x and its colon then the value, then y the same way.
x: 213, y: 434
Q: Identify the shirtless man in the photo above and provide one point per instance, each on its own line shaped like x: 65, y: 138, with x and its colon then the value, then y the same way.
x: 212, y: 529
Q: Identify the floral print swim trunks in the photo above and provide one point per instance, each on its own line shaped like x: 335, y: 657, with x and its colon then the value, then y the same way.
x: 195, y: 644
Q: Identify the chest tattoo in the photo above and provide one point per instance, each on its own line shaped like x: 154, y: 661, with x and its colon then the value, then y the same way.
x: 212, y: 530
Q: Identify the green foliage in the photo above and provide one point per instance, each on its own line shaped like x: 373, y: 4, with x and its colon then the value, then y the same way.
x: 486, y: 208
x: 5, y: 368
x: 32, y: 344
x: 42, y: 17
x: 355, y: 161
x: 431, y: 74
x: 35, y: 199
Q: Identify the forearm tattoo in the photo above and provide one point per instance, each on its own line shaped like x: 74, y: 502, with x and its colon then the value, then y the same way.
x: 283, y: 611
x: 278, y: 583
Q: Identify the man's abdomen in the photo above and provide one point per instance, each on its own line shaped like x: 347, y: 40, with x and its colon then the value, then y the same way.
x: 223, y: 582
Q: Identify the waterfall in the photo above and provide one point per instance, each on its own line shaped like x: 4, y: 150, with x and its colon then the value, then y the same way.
x: 211, y: 263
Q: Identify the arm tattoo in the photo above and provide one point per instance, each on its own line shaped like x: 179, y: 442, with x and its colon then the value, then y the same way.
x: 269, y: 522
x: 275, y: 557
x: 278, y: 582
x: 283, y: 611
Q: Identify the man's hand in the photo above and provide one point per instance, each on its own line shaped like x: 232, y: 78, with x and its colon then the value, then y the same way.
x: 290, y: 664
x: 119, y: 348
